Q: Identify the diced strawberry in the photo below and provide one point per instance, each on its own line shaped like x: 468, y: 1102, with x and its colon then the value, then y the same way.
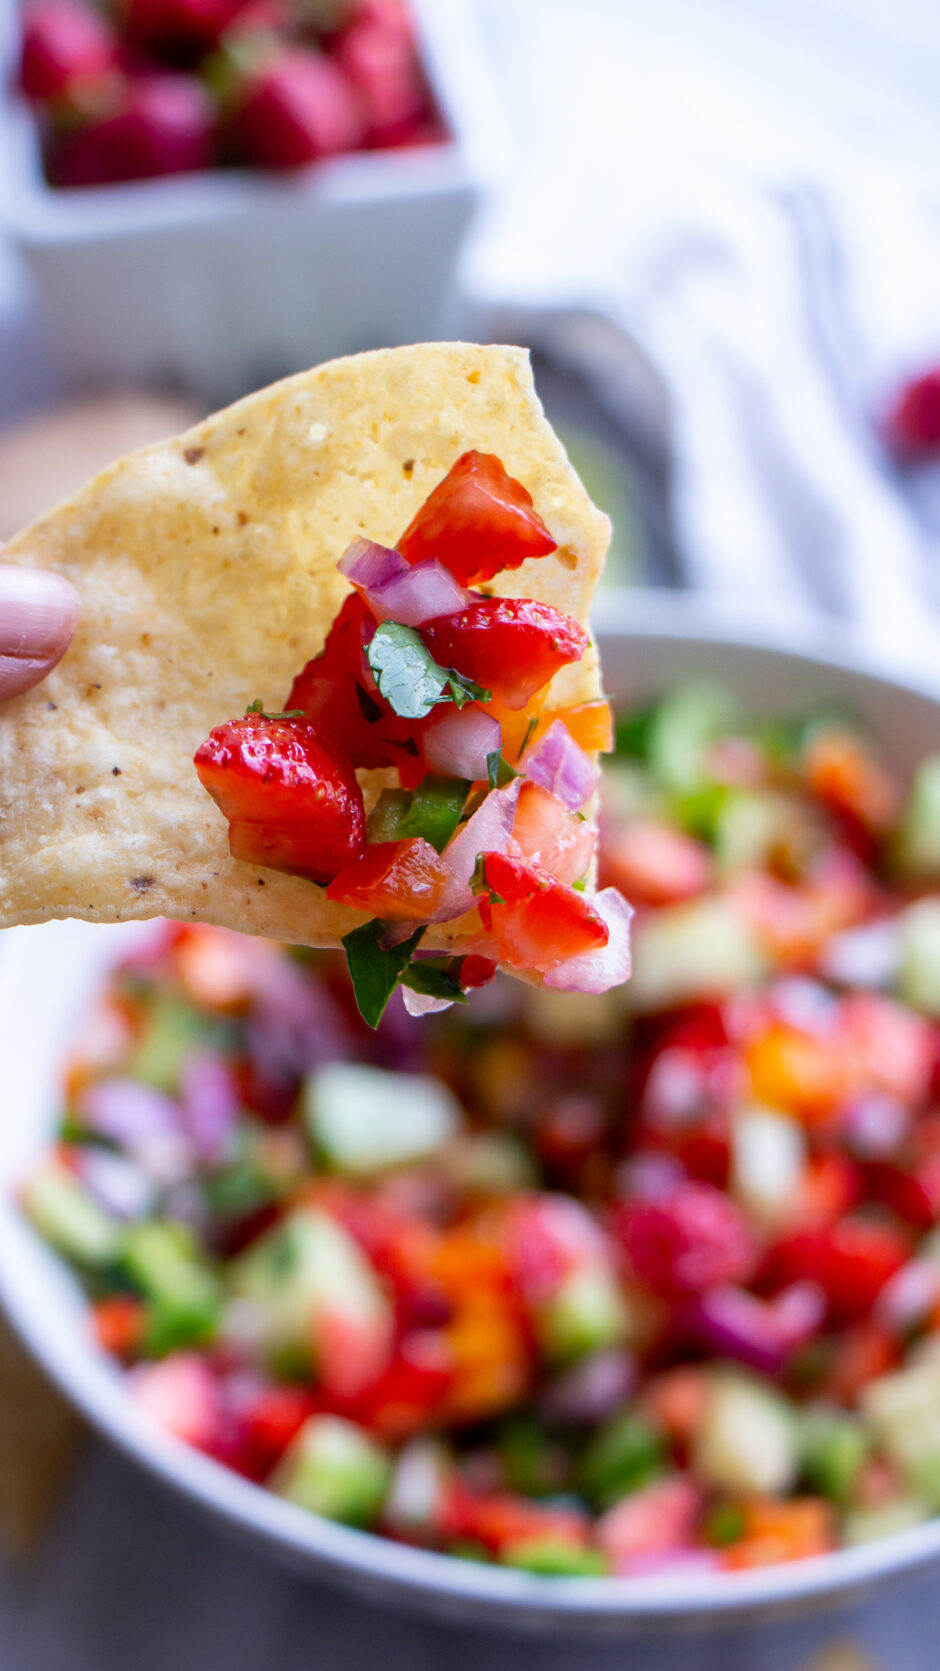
x: 659, y: 1517
x: 478, y: 521
x: 912, y: 426
x: 548, y: 834
x: 295, y: 109
x: 66, y: 46
x: 476, y: 971
x: 178, y: 29
x: 399, y: 881
x: 380, y: 59
x: 290, y: 803
x: 352, y: 1350
x: 654, y: 864
x: 535, y: 920
x: 181, y: 1394
x: 547, y: 1237
x: 272, y: 1420
x: 691, y: 1240
x: 331, y: 690
x: 894, y: 1045
x: 498, y: 1520
x: 842, y: 773
x: 511, y: 646
x: 406, y: 1396
x: 851, y: 1260
x: 119, y: 1321
x: 162, y: 124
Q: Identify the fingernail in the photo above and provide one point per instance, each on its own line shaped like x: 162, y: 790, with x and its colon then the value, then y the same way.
x: 38, y: 613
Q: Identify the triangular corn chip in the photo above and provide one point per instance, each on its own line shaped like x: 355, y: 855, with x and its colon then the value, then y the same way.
x: 207, y: 569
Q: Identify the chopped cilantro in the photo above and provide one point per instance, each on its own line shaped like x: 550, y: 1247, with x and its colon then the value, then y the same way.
x: 257, y: 707
x: 530, y: 728
x: 375, y: 970
x: 409, y: 678
x: 499, y: 770
x: 436, y: 977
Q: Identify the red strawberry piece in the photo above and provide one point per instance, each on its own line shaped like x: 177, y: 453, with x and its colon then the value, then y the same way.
x: 380, y: 59
x: 66, y: 45
x: 294, y: 109
x: 477, y: 521
x: 547, y: 833
x: 399, y: 881
x: 851, y: 1261
x: 688, y: 1242
x: 178, y: 29
x: 332, y: 691
x: 290, y: 803
x: 511, y: 646
x: 162, y: 125
x: 912, y: 425
x: 535, y: 920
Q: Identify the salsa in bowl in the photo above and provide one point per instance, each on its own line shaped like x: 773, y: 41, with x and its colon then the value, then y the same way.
x: 634, y: 1288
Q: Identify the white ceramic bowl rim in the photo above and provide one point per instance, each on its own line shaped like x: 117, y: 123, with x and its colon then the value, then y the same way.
x: 487, y: 1593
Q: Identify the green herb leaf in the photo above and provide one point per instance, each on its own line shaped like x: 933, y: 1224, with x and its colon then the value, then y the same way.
x: 257, y: 707
x: 479, y: 884
x: 375, y: 970
x: 436, y: 977
x: 408, y: 676
x: 499, y: 770
x: 436, y: 809
x: 528, y: 736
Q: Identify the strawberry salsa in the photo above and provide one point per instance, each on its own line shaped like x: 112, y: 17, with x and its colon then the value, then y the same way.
x: 447, y: 686
x: 638, y: 1282
x: 134, y: 89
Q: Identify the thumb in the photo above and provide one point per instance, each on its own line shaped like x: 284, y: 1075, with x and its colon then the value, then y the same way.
x: 38, y: 613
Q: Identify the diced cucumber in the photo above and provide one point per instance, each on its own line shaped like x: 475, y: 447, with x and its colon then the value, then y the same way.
x: 553, y: 1558
x: 67, y: 1216
x: 870, y: 1525
x: 626, y: 1453
x: 683, y: 726
x: 703, y: 949
x: 335, y: 1469
x: 748, y: 1440
x: 768, y: 1156
x: 918, y: 847
x: 363, y: 1121
x: 298, y: 1272
x: 184, y: 1304
x: 833, y: 1447
x: 587, y: 1312
x: 919, y: 972
x: 749, y: 825
x: 904, y: 1410
x: 172, y: 1031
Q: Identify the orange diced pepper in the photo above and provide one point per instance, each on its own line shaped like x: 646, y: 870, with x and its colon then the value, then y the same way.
x: 798, y: 1072
x: 782, y: 1531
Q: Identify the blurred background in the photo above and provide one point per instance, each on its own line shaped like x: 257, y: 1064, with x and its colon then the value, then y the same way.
x: 718, y: 227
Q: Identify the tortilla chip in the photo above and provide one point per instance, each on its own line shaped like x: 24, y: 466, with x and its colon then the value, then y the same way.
x: 207, y: 568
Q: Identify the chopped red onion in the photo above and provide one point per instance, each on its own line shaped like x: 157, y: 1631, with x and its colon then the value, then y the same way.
x: 607, y: 967
x: 488, y: 831
x: 127, y: 1112
x: 865, y: 956
x: 458, y: 740
x: 118, y: 1184
x: 875, y: 1126
x: 396, y: 590
x: 591, y: 1390
x: 424, y: 592
x: 908, y: 1298
x: 797, y: 1312
x: 210, y: 1106
x: 737, y: 1325
x: 421, y: 1003
x: 649, y: 1176
x: 369, y: 565
x: 559, y: 764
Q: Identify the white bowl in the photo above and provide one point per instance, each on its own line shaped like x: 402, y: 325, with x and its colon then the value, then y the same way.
x: 222, y: 281
x: 46, y: 976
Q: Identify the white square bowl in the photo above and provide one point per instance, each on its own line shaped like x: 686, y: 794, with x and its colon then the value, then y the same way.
x: 220, y: 281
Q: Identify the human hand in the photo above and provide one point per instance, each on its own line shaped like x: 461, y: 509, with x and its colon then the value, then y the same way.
x: 38, y: 614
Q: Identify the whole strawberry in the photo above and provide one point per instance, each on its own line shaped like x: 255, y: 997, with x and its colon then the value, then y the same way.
x: 67, y: 47
x: 163, y: 124
x: 292, y: 109
x: 912, y: 425
x: 378, y: 53
x: 182, y: 30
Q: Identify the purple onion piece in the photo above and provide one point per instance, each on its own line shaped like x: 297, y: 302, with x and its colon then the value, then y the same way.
x: 734, y: 1324
x: 458, y: 741
x: 210, y: 1106
x: 421, y: 592
x: 421, y: 1003
x: 649, y: 1176
x: 607, y: 967
x: 909, y: 1297
x: 369, y: 565
x: 591, y: 1390
x: 488, y: 831
x: 798, y: 1312
x: 875, y: 1125
x: 120, y: 1186
x: 128, y: 1113
x: 558, y: 763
